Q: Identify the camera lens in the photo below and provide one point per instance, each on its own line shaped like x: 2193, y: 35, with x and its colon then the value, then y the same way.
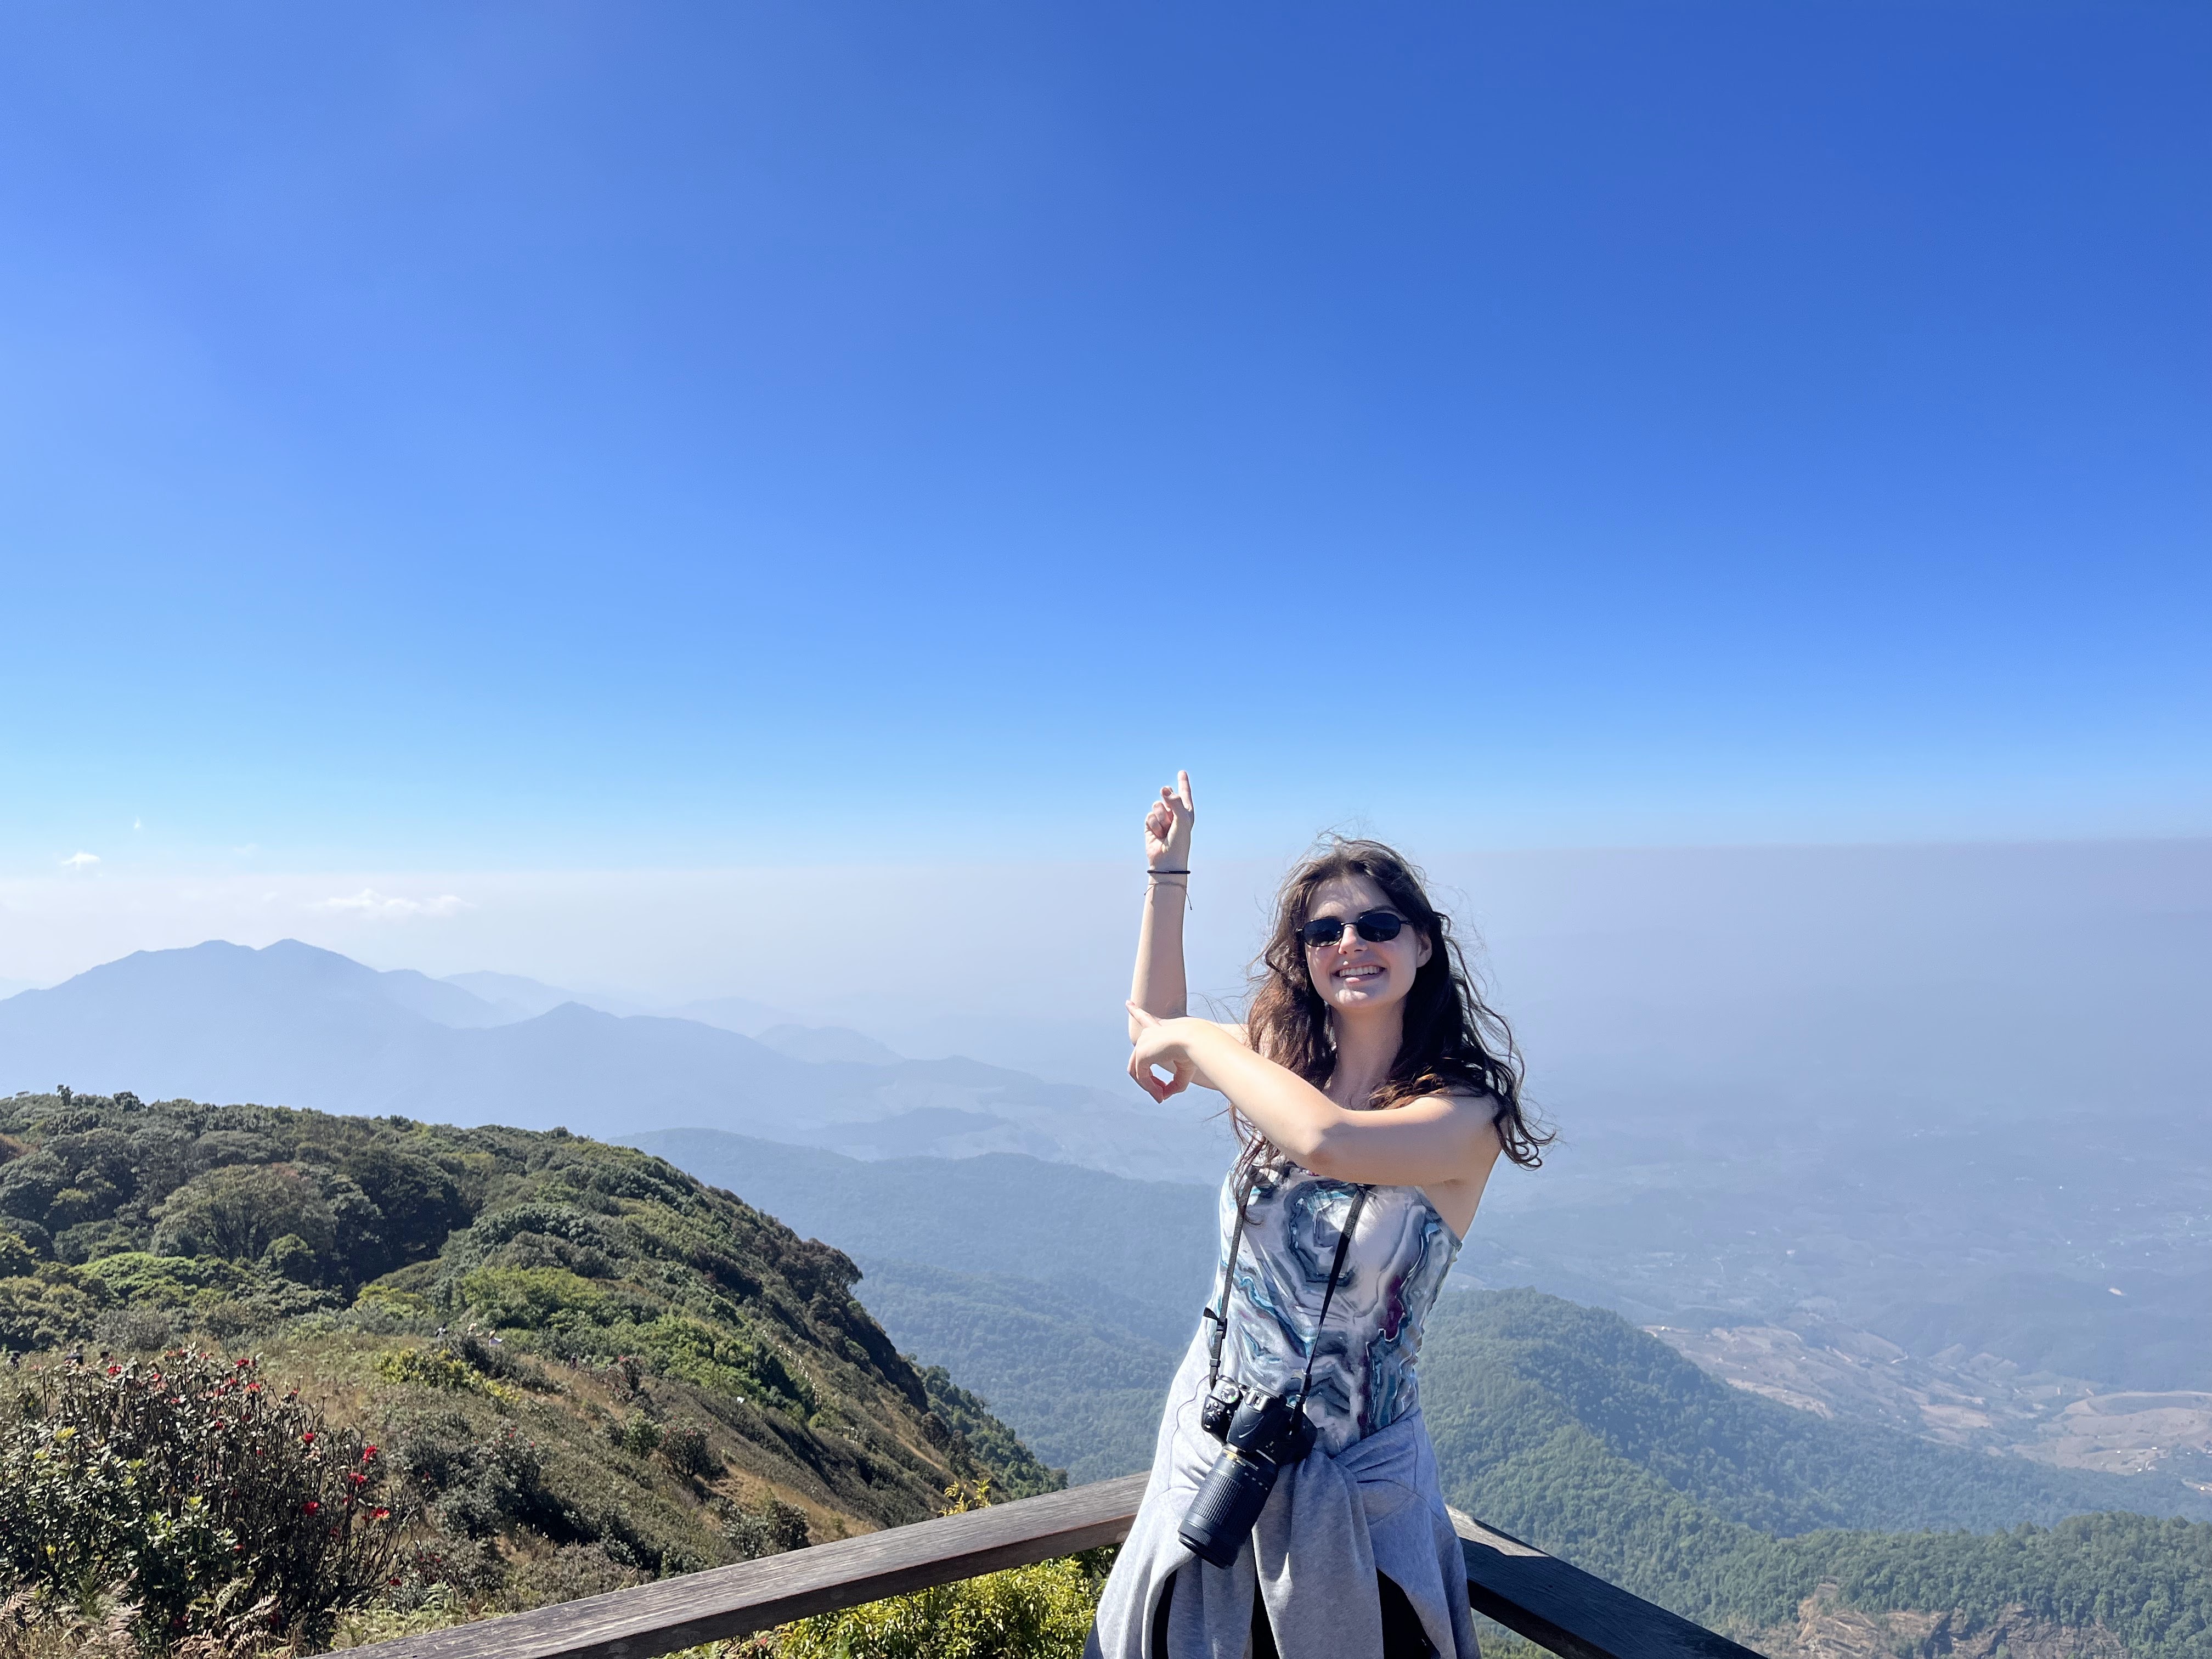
x: 1266, y: 1432
x: 1228, y: 1504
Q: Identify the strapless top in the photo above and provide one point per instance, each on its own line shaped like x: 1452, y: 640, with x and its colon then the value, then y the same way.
x: 1364, y: 1376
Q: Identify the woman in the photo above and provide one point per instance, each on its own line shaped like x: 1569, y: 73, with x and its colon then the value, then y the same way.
x: 1373, y: 1093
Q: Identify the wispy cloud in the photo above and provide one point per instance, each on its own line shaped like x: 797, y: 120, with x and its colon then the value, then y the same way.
x: 80, y: 861
x: 384, y: 907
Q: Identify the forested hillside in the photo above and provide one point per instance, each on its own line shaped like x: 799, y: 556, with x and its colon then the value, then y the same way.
x: 1505, y: 1372
x: 1568, y: 1427
x: 583, y: 1365
x: 1064, y: 1297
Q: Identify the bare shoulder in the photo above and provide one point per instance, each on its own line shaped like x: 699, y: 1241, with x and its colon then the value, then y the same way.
x: 1475, y: 1114
x: 1479, y: 1105
x: 1479, y: 1101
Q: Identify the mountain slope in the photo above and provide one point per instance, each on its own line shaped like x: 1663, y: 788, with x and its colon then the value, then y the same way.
x: 254, y: 1219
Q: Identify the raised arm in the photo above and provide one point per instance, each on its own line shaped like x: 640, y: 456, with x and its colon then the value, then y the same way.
x: 1159, y: 987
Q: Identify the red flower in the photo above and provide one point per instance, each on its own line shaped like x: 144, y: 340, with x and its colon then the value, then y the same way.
x: 308, y: 1438
x: 313, y: 1507
x: 383, y: 1513
x: 368, y: 1452
x: 115, y: 1371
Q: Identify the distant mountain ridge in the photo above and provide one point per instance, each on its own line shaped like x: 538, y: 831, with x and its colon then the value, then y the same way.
x: 1004, y: 1213
x: 291, y: 1024
x: 515, y: 997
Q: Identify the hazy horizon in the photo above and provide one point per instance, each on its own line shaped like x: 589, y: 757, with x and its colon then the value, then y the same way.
x: 1719, y: 969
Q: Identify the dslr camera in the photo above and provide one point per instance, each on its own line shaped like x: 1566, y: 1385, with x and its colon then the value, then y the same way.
x: 1260, y: 1434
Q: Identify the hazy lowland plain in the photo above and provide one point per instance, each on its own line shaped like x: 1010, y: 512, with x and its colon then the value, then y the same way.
x: 1910, y: 1146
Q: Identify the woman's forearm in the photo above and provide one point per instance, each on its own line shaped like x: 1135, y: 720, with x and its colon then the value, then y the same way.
x: 1159, y: 987
x: 1436, y: 1139
x: 1293, y: 1113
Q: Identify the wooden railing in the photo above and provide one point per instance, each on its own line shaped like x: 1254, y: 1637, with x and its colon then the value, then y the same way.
x: 1558, y: 1607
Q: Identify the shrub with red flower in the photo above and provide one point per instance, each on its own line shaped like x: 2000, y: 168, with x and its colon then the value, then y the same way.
x: 186, y: 1486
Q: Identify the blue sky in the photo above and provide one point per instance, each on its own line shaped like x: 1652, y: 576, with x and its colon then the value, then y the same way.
x: 518, y: 436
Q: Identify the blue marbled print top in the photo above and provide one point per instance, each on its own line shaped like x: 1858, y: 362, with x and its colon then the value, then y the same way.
x: 1364, y: 1373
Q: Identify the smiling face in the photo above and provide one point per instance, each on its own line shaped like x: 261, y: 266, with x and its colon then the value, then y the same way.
x: 1354, y: 974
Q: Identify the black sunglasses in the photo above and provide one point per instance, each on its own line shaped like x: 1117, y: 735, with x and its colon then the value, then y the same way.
x: 1375, y: 927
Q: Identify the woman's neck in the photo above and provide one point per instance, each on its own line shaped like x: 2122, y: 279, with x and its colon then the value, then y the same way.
x: 1366, y: 1045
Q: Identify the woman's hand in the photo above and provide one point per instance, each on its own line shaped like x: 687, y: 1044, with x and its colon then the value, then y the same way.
x: 1166, y: 1043
x: 1167, y: 826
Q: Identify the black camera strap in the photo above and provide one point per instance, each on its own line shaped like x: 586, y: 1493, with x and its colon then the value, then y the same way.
x: 1219, y: 1312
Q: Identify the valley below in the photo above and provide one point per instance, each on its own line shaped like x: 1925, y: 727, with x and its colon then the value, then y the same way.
x: 1823, y: 1629
x: 1959, y: 1398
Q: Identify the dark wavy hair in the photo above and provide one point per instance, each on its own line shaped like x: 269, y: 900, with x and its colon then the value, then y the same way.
x: 1454, y: 1041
